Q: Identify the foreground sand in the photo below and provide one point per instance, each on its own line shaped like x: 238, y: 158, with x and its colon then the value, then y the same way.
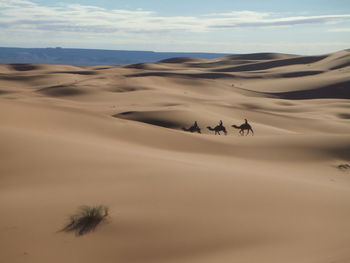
x: 109, y: 135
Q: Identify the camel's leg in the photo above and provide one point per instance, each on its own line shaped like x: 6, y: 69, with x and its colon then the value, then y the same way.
x: 252, y: 131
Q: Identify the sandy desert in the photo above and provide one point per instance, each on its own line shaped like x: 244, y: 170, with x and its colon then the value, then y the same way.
x: 112, y: 135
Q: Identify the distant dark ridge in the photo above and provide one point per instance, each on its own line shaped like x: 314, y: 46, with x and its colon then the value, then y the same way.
x: 274, y: 64
x: 89, y: 57
x: 179, y: 60
x: 262, y: 56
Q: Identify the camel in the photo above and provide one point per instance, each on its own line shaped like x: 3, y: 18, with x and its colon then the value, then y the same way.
x: 244, y: 126
x: 218, y: 129
x: 192, y: 129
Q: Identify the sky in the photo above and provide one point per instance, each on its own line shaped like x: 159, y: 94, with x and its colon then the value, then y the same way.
x: 303, y: 27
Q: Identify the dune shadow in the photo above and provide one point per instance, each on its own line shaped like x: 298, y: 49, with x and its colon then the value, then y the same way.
x: 338, y: 90
x: 138, y: 66
x: 285, y: 103
x: 4, y: 92
x: 250, y: 106
x: 20, y: 78
x: 182, y: 75
x: 343, y: 65
x: 149, y: 117
x: 23, y: 67
x: 300, y: 74
x: 128, y: 89
x: 102, y: 68
x: 61, y: 91
x: 78, y: 72
x: 344, y: 115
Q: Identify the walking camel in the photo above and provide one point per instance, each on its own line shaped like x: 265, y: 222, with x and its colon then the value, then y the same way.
x: 193, y: 128
x: 244, y: 126
x: 218, y: 129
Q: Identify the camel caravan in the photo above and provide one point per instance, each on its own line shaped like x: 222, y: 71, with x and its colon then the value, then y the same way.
x: 221, y: 128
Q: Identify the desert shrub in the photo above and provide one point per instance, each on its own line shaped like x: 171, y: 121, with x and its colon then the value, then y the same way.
x: 343, y: 166
x: 86, y: 219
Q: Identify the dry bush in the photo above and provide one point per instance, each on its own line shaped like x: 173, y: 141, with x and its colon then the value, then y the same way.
x: 86, y: 219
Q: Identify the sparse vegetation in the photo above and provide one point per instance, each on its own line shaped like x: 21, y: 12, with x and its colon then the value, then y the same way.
x: 86, y: 219
x: 343, y: 166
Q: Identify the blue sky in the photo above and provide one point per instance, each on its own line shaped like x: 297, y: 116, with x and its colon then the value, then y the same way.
x: 299, y: 27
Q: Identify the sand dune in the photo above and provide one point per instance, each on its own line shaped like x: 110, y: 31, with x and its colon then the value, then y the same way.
x: 112, y: 135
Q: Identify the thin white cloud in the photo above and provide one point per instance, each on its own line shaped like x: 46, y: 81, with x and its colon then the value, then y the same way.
x: 15, y: 3
x: 267, y: 21
x: 26, y: 15
x: 340, y: 29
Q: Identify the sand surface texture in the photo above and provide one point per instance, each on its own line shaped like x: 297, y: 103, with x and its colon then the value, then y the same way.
x: 111, y: 135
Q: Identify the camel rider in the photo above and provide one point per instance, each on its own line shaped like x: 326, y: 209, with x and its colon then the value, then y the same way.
x: 220, y: 123
x: 195, y: 125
